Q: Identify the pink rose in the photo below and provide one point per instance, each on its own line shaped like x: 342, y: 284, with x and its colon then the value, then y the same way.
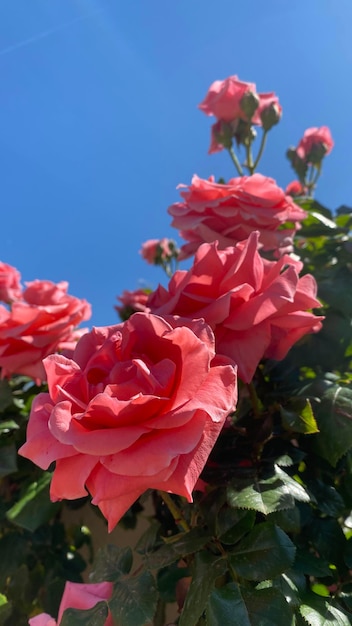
x: 41, y: 323
x: 315, y: 138
x: 256, y: 308
x: 139, y: 406
x: 10, y: 287
x: 155, y: 250
x: 132, y: 302
x: 229, y: 213
x: 295, y: 188
x: 77, y: 596
x: 224, y: 99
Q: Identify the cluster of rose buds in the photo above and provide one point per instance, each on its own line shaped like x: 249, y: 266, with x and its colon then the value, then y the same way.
x: 237, y: 107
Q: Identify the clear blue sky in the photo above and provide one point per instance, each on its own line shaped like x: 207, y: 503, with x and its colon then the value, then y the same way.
x: 99, y: 120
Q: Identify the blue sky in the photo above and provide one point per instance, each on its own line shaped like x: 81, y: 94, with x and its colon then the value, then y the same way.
x: 99, y: 121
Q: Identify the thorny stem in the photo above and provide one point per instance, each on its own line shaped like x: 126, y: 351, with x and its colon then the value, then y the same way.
x: 235, y: 161
x: 174, y: 510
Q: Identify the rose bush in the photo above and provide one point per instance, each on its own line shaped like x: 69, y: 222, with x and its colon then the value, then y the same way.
x: 139, y: 406
x: 10, y: 283
x: 42, y: 322
x: 229, y: 212
x: 148, y: 404
x: 77, y: 596
x: 257, y: 308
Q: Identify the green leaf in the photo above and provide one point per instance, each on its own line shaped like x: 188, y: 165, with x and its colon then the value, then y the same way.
x: 5, y: 609
x: 348, y: 554
x: 13, y: 549
x: 266, y: 495
x: 264, y: 553
x: 180, y: 545
x: 232, y: 524
x: 334, y: 418
x: 111, y: 562
x: 289, y: 519
x: 336, y: 290
x: 298, y: 417
x: 327, y: 498
x: 134, y: 600
x: 289, y: 585
x: 8, y: 460
x: 95, y: 616
x: 311, y: 565
x: 312, y: 205
x: 5, y: 395
x: 226, y: 606
x: 240, y: 607
x: 207, y: 568
x: 34, y: 507
x: 320, y: 612
x: 146, y: 543
x: 7, y: 425
x: 324, y: 220
x: 327, y: 537
x: 167, y: 579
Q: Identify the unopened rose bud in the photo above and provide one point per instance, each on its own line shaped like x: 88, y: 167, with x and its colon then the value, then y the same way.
x: 291, y: 154
x: 270, y: 116
x: 245, y: 133
x: 317, y: 153
x: 298, y: 164
x: 249, y: 104
x: 223, y: 134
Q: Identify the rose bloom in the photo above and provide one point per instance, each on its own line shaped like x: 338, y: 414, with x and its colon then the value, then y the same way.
x: 132, y: 302
x: 295, y: 188
x: 224, y: 99
x: 139, y: 406
x: 257, y: 308
x: 77, y: 596
x: 314, y: 137
x: 10, y: 287
x: 41, y: 323
x: 152, y: 248
x: 229, y: 213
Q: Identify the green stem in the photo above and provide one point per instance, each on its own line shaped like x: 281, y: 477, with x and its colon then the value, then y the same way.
x: 174, y: 510
x: 249, y: 163
x: 254, y: 399
x: 235, y: 161
x: 313, y: 178
x: 167, y: 269
x: 260, y: 151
